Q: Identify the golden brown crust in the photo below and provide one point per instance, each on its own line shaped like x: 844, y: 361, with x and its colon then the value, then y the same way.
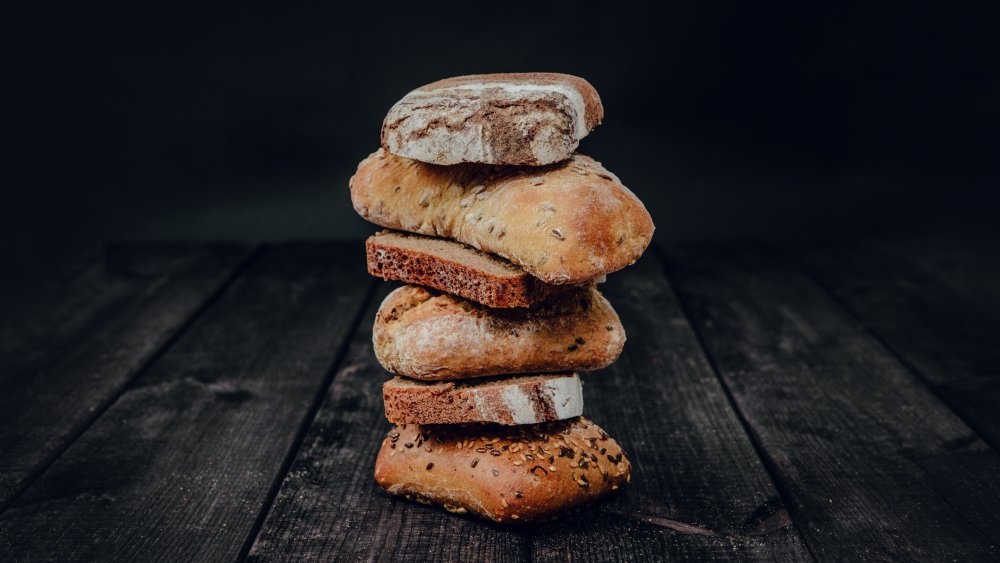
x: 505, y: 474
x: 427, y: 335
x: 566, y: 223
x: 454, y: 272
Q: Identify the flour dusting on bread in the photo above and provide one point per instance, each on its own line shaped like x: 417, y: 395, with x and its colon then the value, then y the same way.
x: 506, y: 119
x: 501, y: 231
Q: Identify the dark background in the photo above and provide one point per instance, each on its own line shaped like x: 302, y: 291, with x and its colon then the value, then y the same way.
x: 731, y: 120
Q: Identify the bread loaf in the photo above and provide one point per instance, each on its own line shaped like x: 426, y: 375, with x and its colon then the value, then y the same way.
x: 565, y: 224
x: 527, y: 399
x: 455, y: 268
x: 522, y: 119
x: 424, y: 334
x: 504, y: 473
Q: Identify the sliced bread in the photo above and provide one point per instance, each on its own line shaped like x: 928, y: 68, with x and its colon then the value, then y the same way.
x: 455, y: 268
x: 526, y: 399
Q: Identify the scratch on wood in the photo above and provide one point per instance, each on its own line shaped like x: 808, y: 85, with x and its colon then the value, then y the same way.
x: 675, y: 525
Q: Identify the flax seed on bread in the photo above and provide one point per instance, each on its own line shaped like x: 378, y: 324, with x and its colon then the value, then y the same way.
x: 507, y: 474
x: 565, y: 224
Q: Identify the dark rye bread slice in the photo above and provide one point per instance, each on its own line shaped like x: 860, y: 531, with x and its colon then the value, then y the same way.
x: 526, y: 399
x: 455, y: 268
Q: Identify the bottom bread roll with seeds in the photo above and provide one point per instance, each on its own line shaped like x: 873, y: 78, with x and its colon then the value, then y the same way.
x: 502, y: 473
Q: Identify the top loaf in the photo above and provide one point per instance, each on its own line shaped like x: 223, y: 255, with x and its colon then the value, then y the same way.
x: 524, y: 119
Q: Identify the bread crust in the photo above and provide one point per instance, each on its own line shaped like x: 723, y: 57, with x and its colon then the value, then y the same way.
x: 527, y: 399
x: 567, y: 223
x: 456, y: 272
x: 509, y: 119
x: 427, y: 335
x: 505, y: 474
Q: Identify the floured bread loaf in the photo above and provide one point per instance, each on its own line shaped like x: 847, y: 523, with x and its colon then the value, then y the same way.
x: 526, y: 399
x: 521, y: 119
x: 504, y: 473
x: 455, y: 268
x: 565, y: 224
x: 427, y: 335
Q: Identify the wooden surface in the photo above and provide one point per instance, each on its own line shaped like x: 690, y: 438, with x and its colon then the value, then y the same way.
x: 219, y: 402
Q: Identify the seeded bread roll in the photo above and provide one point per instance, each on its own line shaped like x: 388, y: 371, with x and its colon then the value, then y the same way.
x: 427, y: 335
x: 455, y: 268
x: 565, y: 224
x: 506, y: 474
x: 523, y: 119
x: 527, y: 399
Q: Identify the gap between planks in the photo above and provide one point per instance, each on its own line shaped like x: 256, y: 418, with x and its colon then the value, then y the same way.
x: 772, y: 472
x: 705, y: 289
x: 911, y: 367
x: 271, y: 304
x: 98, y: 412
x: 308, y: 420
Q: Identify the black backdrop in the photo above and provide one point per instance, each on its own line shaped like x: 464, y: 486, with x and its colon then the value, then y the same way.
x: 729, y: 119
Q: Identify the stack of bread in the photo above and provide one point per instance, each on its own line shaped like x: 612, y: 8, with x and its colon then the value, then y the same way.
x: 502, y: 232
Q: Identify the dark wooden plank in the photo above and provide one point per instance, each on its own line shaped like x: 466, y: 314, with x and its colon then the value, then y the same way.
x: 329, y: 507
x: 872, y: 464
x: 29, y: 288
x: 52, y: 306
x: 180, y: 466
x: 966, y: 259
x: 73, y: 340
x: 943, y: 335
x: 699, y: 490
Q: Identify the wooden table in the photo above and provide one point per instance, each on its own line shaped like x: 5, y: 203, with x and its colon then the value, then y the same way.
x: 219, y: 402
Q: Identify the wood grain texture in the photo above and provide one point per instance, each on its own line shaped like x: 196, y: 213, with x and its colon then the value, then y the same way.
x: 194, y: 442
x: 28, y: 288
x: 942, y: 334
x: 71, y: 341
x: 961, y: 257
x: 873, y: 465
x: 179, y: 467
x: 699, y: 490
x: 329, y: 507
